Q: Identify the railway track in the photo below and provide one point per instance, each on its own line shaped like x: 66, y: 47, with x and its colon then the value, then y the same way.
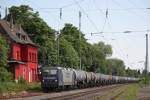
x: 117, y: 95
x: 86, y: 94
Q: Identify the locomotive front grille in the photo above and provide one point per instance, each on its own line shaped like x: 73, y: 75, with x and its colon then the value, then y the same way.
x: 50, y: 83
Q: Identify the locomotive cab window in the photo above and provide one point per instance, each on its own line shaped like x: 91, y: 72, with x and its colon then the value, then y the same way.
x: 50, y: 72
x: 53, y: 72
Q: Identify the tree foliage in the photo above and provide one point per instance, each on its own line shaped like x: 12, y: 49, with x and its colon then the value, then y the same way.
x: 133, y: 73
x: 3, y: 52
x: 115, y: 67
x: 36, y: 27
x: 68, y: 55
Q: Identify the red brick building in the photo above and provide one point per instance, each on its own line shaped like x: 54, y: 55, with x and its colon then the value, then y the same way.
x: 22, y: 57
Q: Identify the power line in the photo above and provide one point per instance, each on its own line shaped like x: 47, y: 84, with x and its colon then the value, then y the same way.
x: 106, y: 19
x: 102, y: 14
x: 83, y: 11
x: 64, y: 6
x: 130, y: 11
x: 99, y: 9
x: 127, y: 31
x: 80, y: 60
x: 131, y: 2
x: 120, y: 51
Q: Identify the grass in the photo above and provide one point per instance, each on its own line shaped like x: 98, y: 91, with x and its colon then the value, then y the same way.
x: 17, y: 87
x: 130, y: 93
x: 11, y: 87
x: 126, y: 92
x: 145, y: 81
x: 34, y: 87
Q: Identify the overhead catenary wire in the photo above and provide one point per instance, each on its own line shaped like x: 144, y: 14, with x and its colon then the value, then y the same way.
x: 83, y: 11
x: 130, y: 11
x: 103, y: 14
x: 100, y: 9
x: 123, y: 53
x: 106, y: 17
x: 127, y: 31
x: 131, y: 2
x: 119, y: 48
x: 62, y: 7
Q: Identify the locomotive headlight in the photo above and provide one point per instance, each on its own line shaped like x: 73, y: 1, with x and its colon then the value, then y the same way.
x: 43, y: 80
x: 55, y: 80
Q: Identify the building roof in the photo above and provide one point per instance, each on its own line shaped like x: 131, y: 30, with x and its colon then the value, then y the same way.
x: 15, y: 32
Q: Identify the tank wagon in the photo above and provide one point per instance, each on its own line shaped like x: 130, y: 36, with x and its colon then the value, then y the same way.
x: 80, y: 78
x: 60, y: 78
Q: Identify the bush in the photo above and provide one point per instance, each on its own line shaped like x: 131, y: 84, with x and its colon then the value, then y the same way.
x: 2, y: 88
x: 21, y: 80
x: 5, y: 76
x: 145, y: 81
x: 34, y: 87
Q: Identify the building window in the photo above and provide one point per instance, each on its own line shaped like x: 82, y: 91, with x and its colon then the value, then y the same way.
x: 30, y: 58
x: 24, y: 37
x: 18, y: 55
x: 35, y: 57
x: 18, y: 35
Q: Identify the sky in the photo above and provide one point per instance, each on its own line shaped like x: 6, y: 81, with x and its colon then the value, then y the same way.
x: 122, y: 15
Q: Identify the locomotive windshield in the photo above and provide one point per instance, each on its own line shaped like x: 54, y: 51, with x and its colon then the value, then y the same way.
x: 49, y: 72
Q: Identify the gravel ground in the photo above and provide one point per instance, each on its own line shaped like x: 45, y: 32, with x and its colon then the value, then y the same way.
x: 144, y: 94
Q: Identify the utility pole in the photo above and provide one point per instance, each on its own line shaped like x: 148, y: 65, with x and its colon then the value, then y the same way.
x: 80, y: 62
x: 6, y: 13
x: 57, y: 44
x: 0, y: 13
x: 146, y: 59
x: 44, y: 56
x: 58, y: 36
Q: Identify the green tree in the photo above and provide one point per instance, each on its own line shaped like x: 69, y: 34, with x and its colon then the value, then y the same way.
x: 115, y: 67
x: 68, y: 55
x: 133, y: 73
x: 99, y: 53
x: 36, y: 27
x: 92, y: 56
x: 72, y: 34
x: 3, y: 52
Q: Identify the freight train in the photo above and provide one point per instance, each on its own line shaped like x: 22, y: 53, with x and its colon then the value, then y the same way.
x: 59, y: 78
